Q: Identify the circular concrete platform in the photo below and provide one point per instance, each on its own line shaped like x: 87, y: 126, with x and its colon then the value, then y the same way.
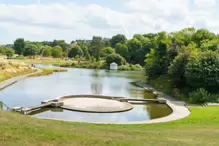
x: 96, y: 105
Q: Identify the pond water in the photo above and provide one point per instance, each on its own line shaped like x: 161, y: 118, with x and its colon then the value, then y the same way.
x: 31, y: 91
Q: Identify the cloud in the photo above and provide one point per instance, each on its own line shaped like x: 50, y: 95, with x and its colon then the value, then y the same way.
x: 73, y: 21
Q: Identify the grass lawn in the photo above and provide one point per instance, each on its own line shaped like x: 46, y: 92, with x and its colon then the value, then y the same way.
x: 201, y: 128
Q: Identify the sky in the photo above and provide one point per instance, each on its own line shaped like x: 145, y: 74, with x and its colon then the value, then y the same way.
x: 39, y: 20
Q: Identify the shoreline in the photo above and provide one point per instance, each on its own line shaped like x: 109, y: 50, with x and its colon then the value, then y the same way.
x: 13, y: 80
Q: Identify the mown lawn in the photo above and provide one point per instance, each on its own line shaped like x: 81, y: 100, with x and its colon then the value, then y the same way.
x: 201, y: 128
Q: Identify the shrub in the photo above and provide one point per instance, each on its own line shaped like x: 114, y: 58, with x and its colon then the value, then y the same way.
x: 199, y: 96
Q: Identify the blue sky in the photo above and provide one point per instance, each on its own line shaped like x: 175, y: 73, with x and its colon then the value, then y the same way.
x: 81, y: 19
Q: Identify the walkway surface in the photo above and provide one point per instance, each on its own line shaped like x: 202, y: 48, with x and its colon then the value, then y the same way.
x: 11, y: 81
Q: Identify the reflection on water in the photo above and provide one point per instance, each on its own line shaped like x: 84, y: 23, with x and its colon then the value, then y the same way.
x: 32, y: 91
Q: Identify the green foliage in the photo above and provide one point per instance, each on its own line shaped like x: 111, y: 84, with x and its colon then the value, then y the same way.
x: 210, y: 45
x: 200, y: 96
x: 123, y: 50
x: 203, y: 34
x: 97, y: 45
x: 75, y: 51
x: 130, y: 67
x: 153, y: 65
x: 31, y: 50
x: 47, y: 51
x: 106, y: 51
x: 6, y: 51
x: 177, y: 69
x: 202, y: 71
x: 57, y: 52
x: 115, y: 58
x: 19, y: 45
x: 119, y: 38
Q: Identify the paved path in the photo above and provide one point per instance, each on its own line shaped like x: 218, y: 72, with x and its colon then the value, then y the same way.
x: 11, y: 81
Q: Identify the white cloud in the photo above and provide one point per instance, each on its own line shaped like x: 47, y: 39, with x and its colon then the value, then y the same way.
x: 72, y: 21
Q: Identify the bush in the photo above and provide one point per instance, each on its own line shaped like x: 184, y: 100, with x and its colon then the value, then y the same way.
x: 200, y: 96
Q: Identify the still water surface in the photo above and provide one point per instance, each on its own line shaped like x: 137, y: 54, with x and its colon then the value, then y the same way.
x: 32, y: 91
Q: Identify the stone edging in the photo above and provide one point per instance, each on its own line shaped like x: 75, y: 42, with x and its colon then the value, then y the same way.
x: 179, y: 112
x: 13, y: 80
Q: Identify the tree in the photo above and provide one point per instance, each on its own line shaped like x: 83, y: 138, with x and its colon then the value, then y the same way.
x: 19, y: 46
x: 57, y: 52
x: 96, y: 47
x: 75, y: 51
x: 6, y: 51
x: 177, y: 69
x: 31, y: 50
x: 107, y: 51
x: 47, y: 51
x: 202, y: 70
x: 210, y: 45
x: 123, y: 50
x: 153, y: 65
x: 134, y: 46
x: 203, y: 34
x: 115, y: 58
x: 119, y: 38
x: 62, y: 44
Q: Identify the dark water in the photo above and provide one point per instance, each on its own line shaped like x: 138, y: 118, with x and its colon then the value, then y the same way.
x: 32, y: 91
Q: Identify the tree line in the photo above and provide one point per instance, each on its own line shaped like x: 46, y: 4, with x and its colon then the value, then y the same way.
x: 188, y: 57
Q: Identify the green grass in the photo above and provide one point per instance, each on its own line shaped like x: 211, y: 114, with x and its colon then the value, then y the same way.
x: 48, y: 71
x: 201, y: 128
x: 57, y: 62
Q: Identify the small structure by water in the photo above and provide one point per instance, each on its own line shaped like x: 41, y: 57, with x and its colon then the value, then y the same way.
x: 113, y: 66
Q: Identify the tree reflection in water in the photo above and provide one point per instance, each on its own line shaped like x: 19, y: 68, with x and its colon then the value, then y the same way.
x: 157, y: 110
x: 97, y: 88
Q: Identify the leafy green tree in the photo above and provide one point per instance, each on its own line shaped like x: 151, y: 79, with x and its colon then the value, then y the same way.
x: 31, y: 50
x: 19, y: 45
x: 134, y: 46
x: 47, y: 51
x: 107, y: 51
x: 123, y: 50
x: 210, y: 45
x: 96, y: 46
x: 65, y: 47
x: 119, y: 38
x: 6, y: 51
x: 177, y: 69
x: 57, y: 52
x: 202, y: 70
x: 203, y: 34
x: 75, y: 51
x: 115, y: 58
x: 153, y: 65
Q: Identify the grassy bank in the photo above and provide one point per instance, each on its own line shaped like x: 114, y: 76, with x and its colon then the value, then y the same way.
x: 48, y: 71
x: 9, y: 69
x: 201, y: 128
x: 57, y: 62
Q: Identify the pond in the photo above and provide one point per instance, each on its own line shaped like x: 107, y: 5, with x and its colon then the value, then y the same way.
x: 31, y: 91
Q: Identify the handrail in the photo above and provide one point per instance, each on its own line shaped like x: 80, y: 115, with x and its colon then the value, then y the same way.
x: 8, y: 108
